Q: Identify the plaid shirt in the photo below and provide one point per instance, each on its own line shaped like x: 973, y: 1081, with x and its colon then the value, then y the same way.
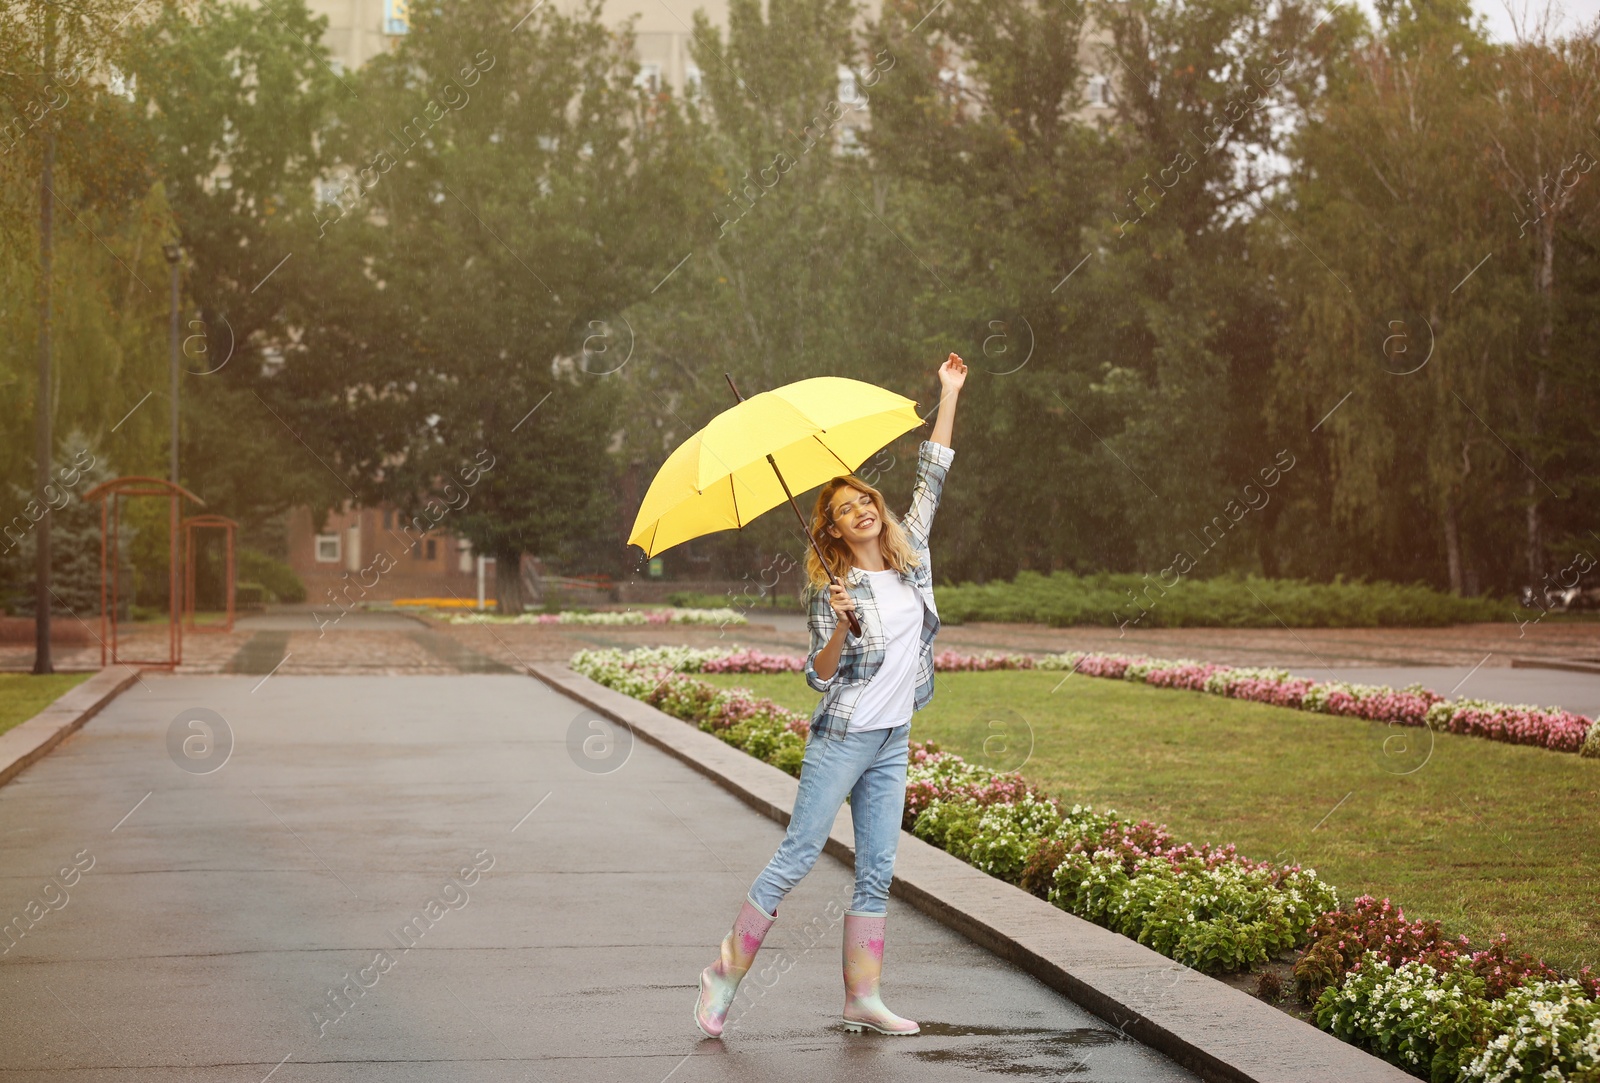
x: 860, y: 657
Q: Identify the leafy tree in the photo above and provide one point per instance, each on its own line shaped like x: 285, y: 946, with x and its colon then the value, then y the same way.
x: 1542, y: 126
x: 75, y: 525
x: 500, y: 187
x: 981, y: 130
x: 1417, y: 302
x: 796, y: 271
x: 1206, y: 97
x: 49, y: 47
x: 238, y: 100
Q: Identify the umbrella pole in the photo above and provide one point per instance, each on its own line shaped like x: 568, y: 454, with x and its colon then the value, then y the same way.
x: 855, y: 625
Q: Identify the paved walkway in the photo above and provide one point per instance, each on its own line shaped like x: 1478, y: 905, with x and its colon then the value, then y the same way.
x: 490, y: 910
x: 386, y: 642
x: 1577, y: 692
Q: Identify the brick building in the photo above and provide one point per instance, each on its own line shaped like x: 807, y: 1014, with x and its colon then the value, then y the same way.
x: 358, y: 30
x: 367, y: 554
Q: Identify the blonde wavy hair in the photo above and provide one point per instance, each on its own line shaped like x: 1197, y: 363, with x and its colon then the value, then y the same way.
x: 893, y: 541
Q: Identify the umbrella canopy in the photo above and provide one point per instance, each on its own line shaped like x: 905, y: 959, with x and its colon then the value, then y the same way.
x: 721, y: 477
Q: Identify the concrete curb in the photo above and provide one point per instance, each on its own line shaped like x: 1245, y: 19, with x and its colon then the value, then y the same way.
x: 30, y: 741
x: 1571, y: 665
x: 1208, y: 1027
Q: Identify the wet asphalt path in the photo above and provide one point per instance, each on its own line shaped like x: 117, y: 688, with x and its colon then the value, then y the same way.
x: 411, y: 878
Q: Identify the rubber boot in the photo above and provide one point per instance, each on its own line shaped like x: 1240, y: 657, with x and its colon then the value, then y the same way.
x: 863, y: 967
x: 720, y: 981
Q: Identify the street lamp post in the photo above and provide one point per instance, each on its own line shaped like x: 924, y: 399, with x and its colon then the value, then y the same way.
x: 174, y: 252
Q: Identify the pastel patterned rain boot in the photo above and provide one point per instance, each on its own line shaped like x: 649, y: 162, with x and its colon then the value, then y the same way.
x: 863, y: 966
x: 720, y: 980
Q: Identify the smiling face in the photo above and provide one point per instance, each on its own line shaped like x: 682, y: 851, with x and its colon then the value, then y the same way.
x: 851, y: 528
x: 855, y: 516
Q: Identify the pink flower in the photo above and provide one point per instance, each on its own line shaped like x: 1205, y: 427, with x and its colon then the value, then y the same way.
x: 1191, y: 677
x: 754, y: 661
x: 1558, y: 730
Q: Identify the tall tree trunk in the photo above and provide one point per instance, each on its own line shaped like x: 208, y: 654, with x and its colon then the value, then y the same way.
x: 532, y: 584
x: 1452, y: 546
x: 1545, y: 283
x: 1535, y: 521
x: 1535, y: 537
x: 43, y: 444
x: 508, y: 583
x: 1266, y: 538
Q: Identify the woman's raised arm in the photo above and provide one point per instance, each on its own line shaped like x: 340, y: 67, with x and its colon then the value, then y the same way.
x: 952, y: 375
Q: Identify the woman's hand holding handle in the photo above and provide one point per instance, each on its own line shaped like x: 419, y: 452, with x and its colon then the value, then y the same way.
x: 843, y: 605
x: 827, y: 660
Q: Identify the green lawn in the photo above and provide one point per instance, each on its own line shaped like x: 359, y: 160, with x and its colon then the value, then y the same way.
x: 1483, y: 836
x: 22, y: 695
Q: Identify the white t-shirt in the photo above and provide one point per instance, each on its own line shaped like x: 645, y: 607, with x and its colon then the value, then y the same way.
x: 889, y: 698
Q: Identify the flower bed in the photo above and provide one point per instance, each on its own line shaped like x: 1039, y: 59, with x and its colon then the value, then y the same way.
x: 628, y: 616
x: 1520, y: 724
x: 1440, y: 1024
x: 1401, y: 989
x: 1207, y: 907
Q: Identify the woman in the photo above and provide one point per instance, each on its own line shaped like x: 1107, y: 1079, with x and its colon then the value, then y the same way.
x: 860, y: 730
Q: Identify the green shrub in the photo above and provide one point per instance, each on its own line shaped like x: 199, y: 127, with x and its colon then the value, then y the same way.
x: 789, y: 753
x: 689, y: 700
x: 280, y: 580
x: 949, y: 825
x: 74, y: 536
x: 1006, y: 834
x: 698, y: 599
x: 1061, y: 599
x: 1214, y: 919
x: 759, y: 737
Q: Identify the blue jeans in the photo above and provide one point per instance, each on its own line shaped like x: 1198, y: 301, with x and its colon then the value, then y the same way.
x: 871, y: 768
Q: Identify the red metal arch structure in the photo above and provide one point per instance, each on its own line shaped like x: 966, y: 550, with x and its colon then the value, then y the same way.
x: 230, y: 529
x: 111, y: 494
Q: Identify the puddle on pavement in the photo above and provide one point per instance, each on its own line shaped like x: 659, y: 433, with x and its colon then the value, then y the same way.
x: 1077, y: 1036
x: 1044, y: 1052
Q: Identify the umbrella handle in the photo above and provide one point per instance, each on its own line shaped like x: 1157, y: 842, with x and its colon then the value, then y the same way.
x: 855, y: 625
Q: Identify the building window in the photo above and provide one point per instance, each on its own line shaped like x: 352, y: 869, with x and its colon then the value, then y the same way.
x: 416, y: 549
x: 123, y: 86
x: 693, y: 82
x: 328, y: 548
x: 396, y: 17
x: 464, y: 555
x: 649, y: 78
x: 388, y: 518
x: 1099, y: 91
x: 433, y: 549
x: 849, y: 92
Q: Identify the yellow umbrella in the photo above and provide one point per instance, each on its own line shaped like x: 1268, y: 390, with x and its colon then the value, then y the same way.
x: 744, y: 462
